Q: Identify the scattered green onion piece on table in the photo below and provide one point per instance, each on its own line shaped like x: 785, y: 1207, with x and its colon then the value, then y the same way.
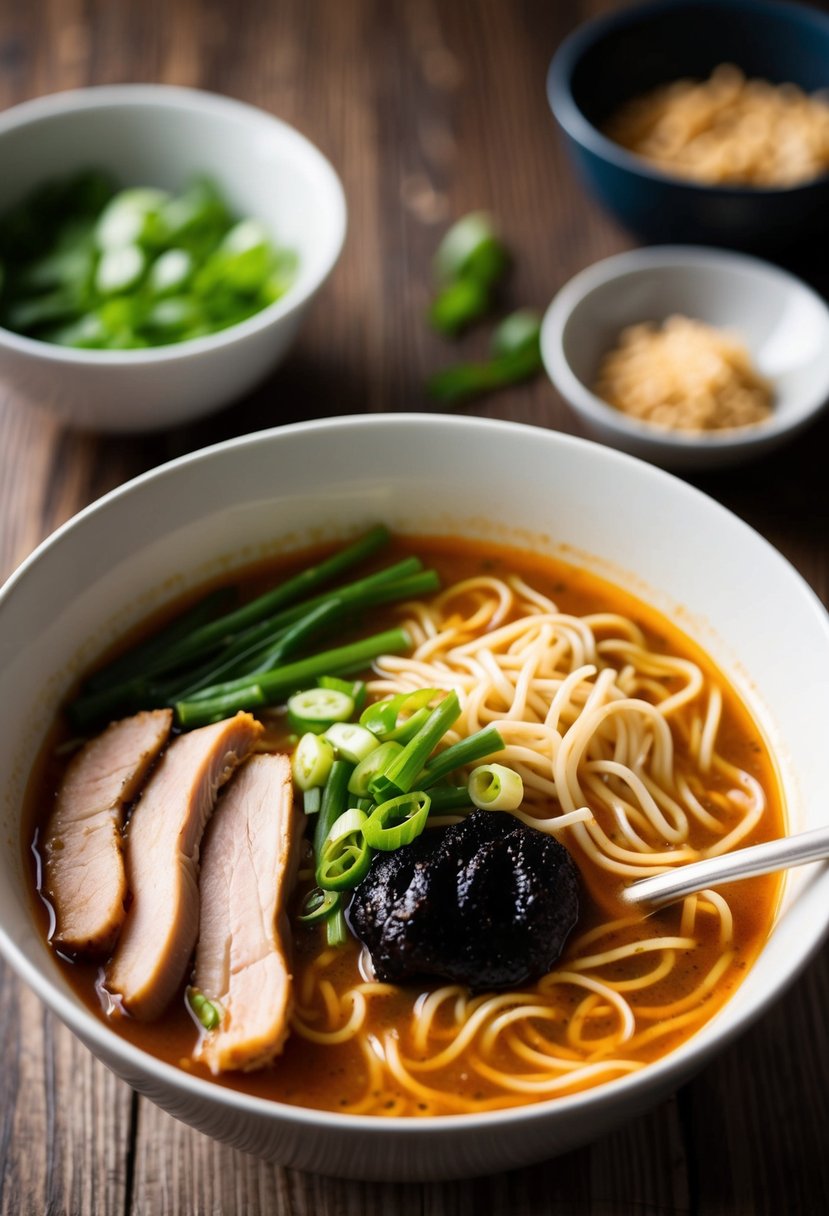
x: 318, y: 905
x: 351, y: 741
x: 346, y: 855
x: 209, y: 1013
x: 369, y: 768
x: 512, y: 363
x: 316, y: 709
x: 518, y: 333
x: 471, y: 249
x: 457, y: 305
x: 311, y: 761
x: 397, y: 822
x: 494, y: 787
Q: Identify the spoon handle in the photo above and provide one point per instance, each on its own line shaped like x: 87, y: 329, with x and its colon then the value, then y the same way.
x: 743, y: 863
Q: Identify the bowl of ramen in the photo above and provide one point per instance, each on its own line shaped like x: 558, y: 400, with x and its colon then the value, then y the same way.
x: 701, y: 120
x: 160, y: 248
x: 452, y: 712
x: 689, y: 357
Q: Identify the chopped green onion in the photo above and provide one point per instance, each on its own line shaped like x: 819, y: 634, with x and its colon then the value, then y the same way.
x: 392, y: 718
x: 124, y: 219
x: 209, y: 1013
x: 403, y: 772
x: 334, y: 802
x: 311, y: 761
x: 397, y: 822
x: 520, y: 332
x: 375, y: 763
x: 471, y: 249
x: 465, y: 751
x: 467, y: 380
x: 318, y: 905
x: 346, y: 855
x: 336, y: 930
x: 312, y: 799
x: 119, y: 269
x: 457, y: 305
x: 356, y: 689
x: 352, y: 742
x: 493, y: 787
x: 316, y: 708
x: 448, y: 798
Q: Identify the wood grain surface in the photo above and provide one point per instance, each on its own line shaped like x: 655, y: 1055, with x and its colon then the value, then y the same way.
x: 428, y: 109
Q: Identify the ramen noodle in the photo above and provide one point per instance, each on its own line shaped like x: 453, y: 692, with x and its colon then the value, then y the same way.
x: 728, y: 130
x: 684, y: 375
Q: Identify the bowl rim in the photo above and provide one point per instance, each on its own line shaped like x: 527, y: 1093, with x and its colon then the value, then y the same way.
x: 196, y: 101
x: 663, y: 1072
x: 575, y: 123
x: 664, y: 257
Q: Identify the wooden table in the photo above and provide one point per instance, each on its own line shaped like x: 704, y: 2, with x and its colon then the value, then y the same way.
x: 428, y: 110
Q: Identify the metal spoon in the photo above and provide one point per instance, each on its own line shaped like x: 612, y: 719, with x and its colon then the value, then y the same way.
x: 765, y: 858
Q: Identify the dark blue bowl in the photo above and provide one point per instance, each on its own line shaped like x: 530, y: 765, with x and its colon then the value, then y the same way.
x: 610, y: 60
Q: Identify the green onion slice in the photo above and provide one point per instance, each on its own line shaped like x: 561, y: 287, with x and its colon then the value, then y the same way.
x: 318, y: 905
x: 312, y: 760
x: 376, y: 762
x: 345, y: 856
x: 355, y: 689
x: 494, y: 787
x: 392, y: 718
x: 312, y: 800
x: 398, y: 821
x: 402, y: 774
x: 316, y: 709
x: 352, y: 742
x: 209, y: 1013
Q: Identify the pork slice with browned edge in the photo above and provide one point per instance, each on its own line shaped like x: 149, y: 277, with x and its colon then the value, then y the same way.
x: 84, y: 875
x: 242, y: 957
x: 162, y: 856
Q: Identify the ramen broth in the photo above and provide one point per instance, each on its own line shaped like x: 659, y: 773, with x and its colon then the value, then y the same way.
x: 416, y: 1050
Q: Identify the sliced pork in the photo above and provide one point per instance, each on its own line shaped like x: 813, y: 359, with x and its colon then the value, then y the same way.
x: 162, y: 856
x: 246, y: 877
x: 83, y: 848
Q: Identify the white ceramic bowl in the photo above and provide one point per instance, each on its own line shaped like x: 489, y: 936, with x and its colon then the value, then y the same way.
x: 781, y: 321
x: 224, y: 507
x: 162, y: 136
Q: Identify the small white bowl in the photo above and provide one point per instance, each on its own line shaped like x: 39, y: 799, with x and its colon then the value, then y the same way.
x: 162, y: 136
x: 217, y: 510
x: 781, y: 321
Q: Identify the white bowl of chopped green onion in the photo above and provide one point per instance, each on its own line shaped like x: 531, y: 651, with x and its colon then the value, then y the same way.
x: 159, y: 247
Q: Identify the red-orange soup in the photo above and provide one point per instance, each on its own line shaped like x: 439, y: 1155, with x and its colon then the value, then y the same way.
x: 622, y: 994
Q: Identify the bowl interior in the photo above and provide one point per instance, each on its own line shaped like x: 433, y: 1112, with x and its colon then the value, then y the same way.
x: 783, y: 324
x: 661, y: 42
x: 225, y: 507
x: 160, y: 136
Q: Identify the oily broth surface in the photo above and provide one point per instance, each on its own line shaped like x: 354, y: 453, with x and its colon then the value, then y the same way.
x: 331, y: 1077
